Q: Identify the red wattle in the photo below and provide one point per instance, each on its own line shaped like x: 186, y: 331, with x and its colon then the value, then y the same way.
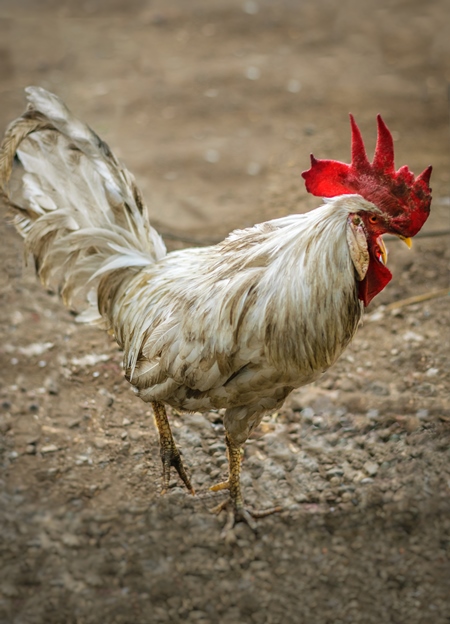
x: 377, y: 277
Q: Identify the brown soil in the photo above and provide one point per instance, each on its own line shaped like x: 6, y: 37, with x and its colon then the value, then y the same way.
x: 215, y: 106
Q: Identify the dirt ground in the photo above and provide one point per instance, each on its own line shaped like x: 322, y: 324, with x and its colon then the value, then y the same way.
x: 215, y: 106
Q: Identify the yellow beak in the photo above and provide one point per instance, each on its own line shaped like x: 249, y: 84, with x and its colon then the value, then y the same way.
x: 383, y: 250
x: 407, y: 241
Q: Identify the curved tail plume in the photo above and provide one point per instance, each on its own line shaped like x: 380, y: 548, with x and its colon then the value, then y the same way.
x: 81, y: 213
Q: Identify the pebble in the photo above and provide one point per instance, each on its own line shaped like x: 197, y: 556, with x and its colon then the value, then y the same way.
x: 307, y: 414
x: 253, y: 73
x: 82, y: 459
x: 253, y: 168
x: 412, y: 423
x: 371, y: 467
x: 70, y: 540
x: 37, y: 348
x: 49, y: 448
x: 335, y: 472
x: 90, y: 360
x: 294, y: 86
x: 51, y: 386
x: 250, y: 7
x: 212, y: 156
x: 411, y: 336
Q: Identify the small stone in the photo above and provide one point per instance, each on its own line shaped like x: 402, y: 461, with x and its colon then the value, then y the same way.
x: 411, y: 336
x: 5, y: 426
x: 9, y: 590
x: 346, y: 385
x: 358, y: 476
x: 251, y: 7
x: 253, y: 73
x: 379, y: 388
x: 307, y: 414
x: 93, y: 579
x: 51, y: 386
x: 212, y: 156
x: 294, y: 86
x: 82, y: 459
x: 49, y: 448
x: 70, y: 540
x: 371, y: 468
x: 335, y: 472
x: 297, y: 403
x: 253, y: 168
x: 412, y: 424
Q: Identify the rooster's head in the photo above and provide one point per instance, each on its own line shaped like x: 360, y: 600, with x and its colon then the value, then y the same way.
x: 401, y: 201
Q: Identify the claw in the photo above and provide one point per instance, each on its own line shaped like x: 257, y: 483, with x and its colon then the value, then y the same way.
x: 241, y: 514
x: 234, y: 505
x: 170, y: 455
x: 225, y: 485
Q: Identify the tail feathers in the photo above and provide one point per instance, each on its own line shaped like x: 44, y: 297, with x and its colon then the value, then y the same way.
x: 81, y: 213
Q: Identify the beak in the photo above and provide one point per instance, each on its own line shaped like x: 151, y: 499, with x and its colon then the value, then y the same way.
x: 407, y: 241
x: 383, y: 250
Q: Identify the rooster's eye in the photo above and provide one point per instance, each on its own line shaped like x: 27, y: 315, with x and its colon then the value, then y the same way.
x: 373, y: 219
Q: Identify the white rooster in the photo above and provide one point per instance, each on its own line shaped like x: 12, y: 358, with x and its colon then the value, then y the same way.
x: 237, y: 325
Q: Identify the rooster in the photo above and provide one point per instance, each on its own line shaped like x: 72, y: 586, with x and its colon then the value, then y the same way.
x: 234, y: 326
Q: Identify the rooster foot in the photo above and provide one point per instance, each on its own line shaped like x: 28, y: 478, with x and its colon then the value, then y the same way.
x: 170, y: 455
x: 239, y: 514
x: 235, y: 503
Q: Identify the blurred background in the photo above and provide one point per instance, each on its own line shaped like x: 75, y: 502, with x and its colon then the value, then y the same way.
x: 215, y: 106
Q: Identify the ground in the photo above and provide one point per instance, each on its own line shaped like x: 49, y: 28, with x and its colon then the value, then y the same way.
x: 215, y: 107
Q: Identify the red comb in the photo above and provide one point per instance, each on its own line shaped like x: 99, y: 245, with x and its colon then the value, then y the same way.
x: 405, y: 198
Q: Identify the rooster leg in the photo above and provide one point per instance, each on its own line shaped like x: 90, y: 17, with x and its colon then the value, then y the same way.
x: 170, y: 455
x: 233, y: 484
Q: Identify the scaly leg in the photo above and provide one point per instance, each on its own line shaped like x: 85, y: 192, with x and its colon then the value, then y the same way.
x: 170, y: 455
x: 233, y: 484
